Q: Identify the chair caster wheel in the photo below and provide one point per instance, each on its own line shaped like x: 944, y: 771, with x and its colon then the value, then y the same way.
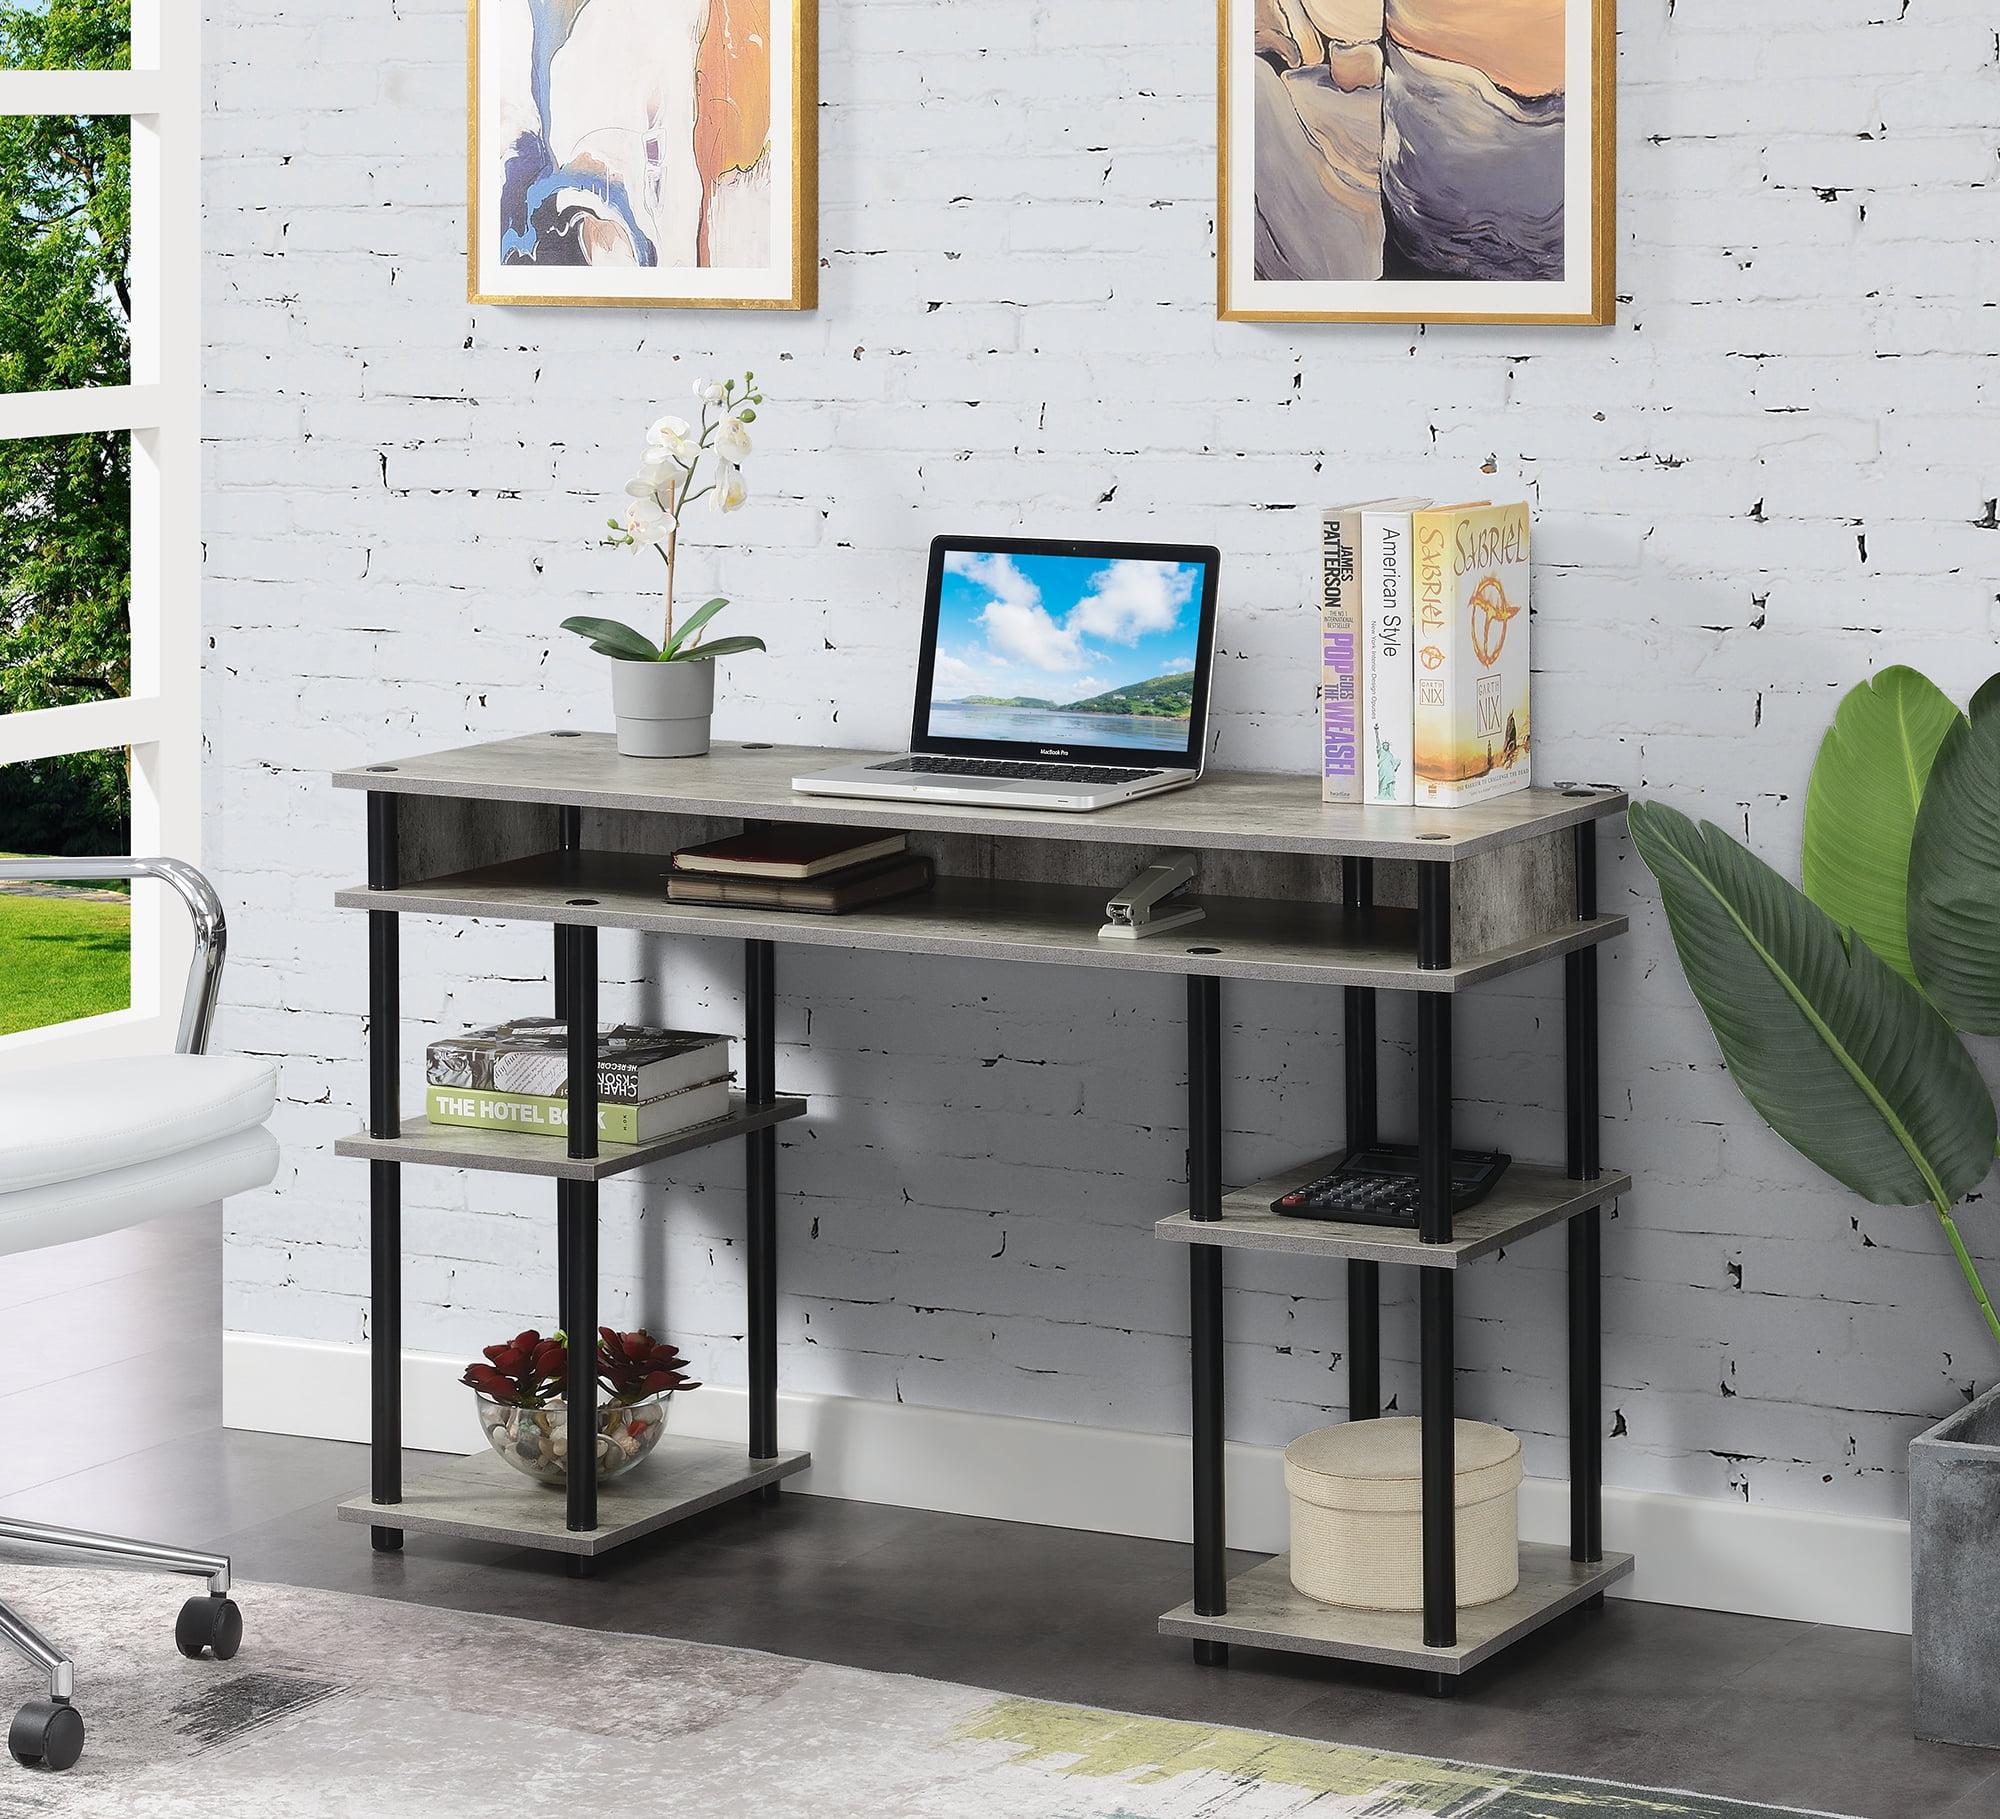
x: 209, y: 1625
x: 46, y: 1733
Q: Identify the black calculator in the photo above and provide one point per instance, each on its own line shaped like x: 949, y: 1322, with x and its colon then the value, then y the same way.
x: 1378, y: 1186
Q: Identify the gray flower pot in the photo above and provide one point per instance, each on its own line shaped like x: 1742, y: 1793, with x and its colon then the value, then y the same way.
x: 1955, y: 1576
x: 663, y: 709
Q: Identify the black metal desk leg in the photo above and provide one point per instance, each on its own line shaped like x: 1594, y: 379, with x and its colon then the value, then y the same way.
x: 385, y: 1180
x: 1440, y: 1520
x: 1364, y: 1340
x: 576, y: 1217
x: 1205, y: 1307
x: 760, y: 1194
x: 1364, y: 1280
x: 1586, y: 1344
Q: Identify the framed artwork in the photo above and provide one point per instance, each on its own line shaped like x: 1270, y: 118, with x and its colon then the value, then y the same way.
x: 652, y: 153
x: 1416, y: 160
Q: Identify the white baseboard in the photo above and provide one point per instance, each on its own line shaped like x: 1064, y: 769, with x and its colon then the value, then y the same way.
x: 1847, y: 1570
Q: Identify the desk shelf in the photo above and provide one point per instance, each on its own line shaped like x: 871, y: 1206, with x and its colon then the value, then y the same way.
x: 987, y: 919
x: 1266, y: 1611
x: 1525, y: 1199
x: 483, y: 1498
x: 524, y: 1153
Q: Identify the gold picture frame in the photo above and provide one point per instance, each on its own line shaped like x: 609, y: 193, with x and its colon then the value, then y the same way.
x: 1586, y: 296
x: 787, y: 280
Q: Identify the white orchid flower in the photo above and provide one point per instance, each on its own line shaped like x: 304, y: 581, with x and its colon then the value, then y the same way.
x: 730, y: 489
x: 648, y: 521
x: 709, y: 391
x: 732, y: 440
x: 674, y: 436
x: 657, y: 468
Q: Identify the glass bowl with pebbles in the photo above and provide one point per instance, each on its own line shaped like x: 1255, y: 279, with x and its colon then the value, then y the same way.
x: 518, y: 1388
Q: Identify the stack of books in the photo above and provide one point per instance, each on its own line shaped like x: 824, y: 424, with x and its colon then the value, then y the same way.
x: 786, y: 865
x: 1423, y: 653
x: 651, y: 1083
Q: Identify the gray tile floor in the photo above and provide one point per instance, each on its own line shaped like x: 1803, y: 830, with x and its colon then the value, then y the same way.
x: 113, y: 1421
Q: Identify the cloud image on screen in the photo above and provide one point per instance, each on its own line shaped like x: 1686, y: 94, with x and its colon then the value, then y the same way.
x: 1066, y: 650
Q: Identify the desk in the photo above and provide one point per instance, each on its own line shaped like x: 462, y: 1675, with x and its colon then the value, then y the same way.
x: 557, y: 828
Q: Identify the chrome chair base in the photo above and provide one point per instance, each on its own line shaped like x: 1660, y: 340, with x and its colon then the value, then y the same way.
x: 47, y: 1732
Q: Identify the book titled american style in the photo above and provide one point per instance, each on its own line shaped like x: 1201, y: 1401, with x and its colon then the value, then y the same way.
x: 1472, y: 728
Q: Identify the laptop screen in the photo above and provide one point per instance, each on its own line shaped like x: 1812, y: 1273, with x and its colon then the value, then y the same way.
x: 1094, y: 652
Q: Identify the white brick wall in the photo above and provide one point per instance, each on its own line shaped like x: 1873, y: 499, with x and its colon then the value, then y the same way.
x: 1764, y: 483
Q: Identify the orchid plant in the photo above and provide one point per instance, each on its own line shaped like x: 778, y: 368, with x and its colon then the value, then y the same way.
x: 669, y: 480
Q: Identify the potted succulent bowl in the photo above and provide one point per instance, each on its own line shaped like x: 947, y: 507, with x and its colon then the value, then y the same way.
x: 1841, y: 1009
x: 519, y: 1394
x: 663, y: 694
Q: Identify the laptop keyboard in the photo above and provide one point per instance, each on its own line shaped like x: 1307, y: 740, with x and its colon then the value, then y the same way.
x: 1001, y: 767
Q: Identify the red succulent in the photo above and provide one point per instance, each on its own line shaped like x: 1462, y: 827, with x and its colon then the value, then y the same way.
x: 528, y: 1371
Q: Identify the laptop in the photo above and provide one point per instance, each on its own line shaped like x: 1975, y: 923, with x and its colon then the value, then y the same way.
x: 1057, y: 675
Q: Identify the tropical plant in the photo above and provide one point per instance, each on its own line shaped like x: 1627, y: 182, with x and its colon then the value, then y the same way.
x: 667, y: 483
x: 1838, y: 1008
x: 529, y: 1371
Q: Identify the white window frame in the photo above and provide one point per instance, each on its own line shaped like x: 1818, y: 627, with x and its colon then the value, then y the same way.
x: 161, y: 720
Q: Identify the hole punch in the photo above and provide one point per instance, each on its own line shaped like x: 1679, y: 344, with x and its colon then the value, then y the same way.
x: 1433, y: 836
x: 565, y: 735
x: 757, y: 745
x: 579, y: 902
x: 381, y: 767
x: 1204, y: 950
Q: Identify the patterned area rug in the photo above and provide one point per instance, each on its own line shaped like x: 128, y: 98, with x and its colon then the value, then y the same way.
x: 357, y: 1707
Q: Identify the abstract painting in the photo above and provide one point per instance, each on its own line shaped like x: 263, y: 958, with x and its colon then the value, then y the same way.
x: 648, y: 152
x: 1416, y: 160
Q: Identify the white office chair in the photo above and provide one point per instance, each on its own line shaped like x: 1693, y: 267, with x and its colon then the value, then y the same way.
x: 90, y: 1147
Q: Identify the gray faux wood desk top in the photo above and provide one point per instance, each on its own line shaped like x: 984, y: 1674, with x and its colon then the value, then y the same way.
x: 1242, y: 811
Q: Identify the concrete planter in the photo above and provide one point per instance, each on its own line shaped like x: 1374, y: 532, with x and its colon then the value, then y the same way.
x: 1955, y: 1576
x: 663, y: 709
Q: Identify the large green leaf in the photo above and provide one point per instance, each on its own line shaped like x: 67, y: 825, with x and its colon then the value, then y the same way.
x: 1861, y: 806
x: 1846, y: 1060
x: 1954, y: 886
x: 611, y: 639
x: 694, y: 622
x: 717, y: 647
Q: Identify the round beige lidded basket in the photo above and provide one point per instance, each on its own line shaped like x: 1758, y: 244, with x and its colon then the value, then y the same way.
x: 1357, y: 1512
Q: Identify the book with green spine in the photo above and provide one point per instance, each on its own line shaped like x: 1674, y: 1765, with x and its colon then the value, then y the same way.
x: 618, y: 1121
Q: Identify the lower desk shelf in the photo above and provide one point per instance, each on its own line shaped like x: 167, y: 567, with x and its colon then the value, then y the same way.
x: 483, y: 1498
x: 1266, y: 1612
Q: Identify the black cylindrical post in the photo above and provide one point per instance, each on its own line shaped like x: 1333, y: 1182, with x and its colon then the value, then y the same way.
x: 760, y: 1184
x: 580, y: 1014
x: 1440, y: 1532
x: 1586, y: 1344
x: 1357, y: 879
x: 1434, y: 1057
x: 1205, y: 1306
x: 1364, y: 1340
x: 569, y: 835
x: 1364, y: 1280
x: 385, y: 1179
x: 576, y: 1214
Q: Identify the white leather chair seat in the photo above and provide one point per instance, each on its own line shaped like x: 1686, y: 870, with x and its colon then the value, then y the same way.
x: 59, y: 1211
x: 85, y: 1118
